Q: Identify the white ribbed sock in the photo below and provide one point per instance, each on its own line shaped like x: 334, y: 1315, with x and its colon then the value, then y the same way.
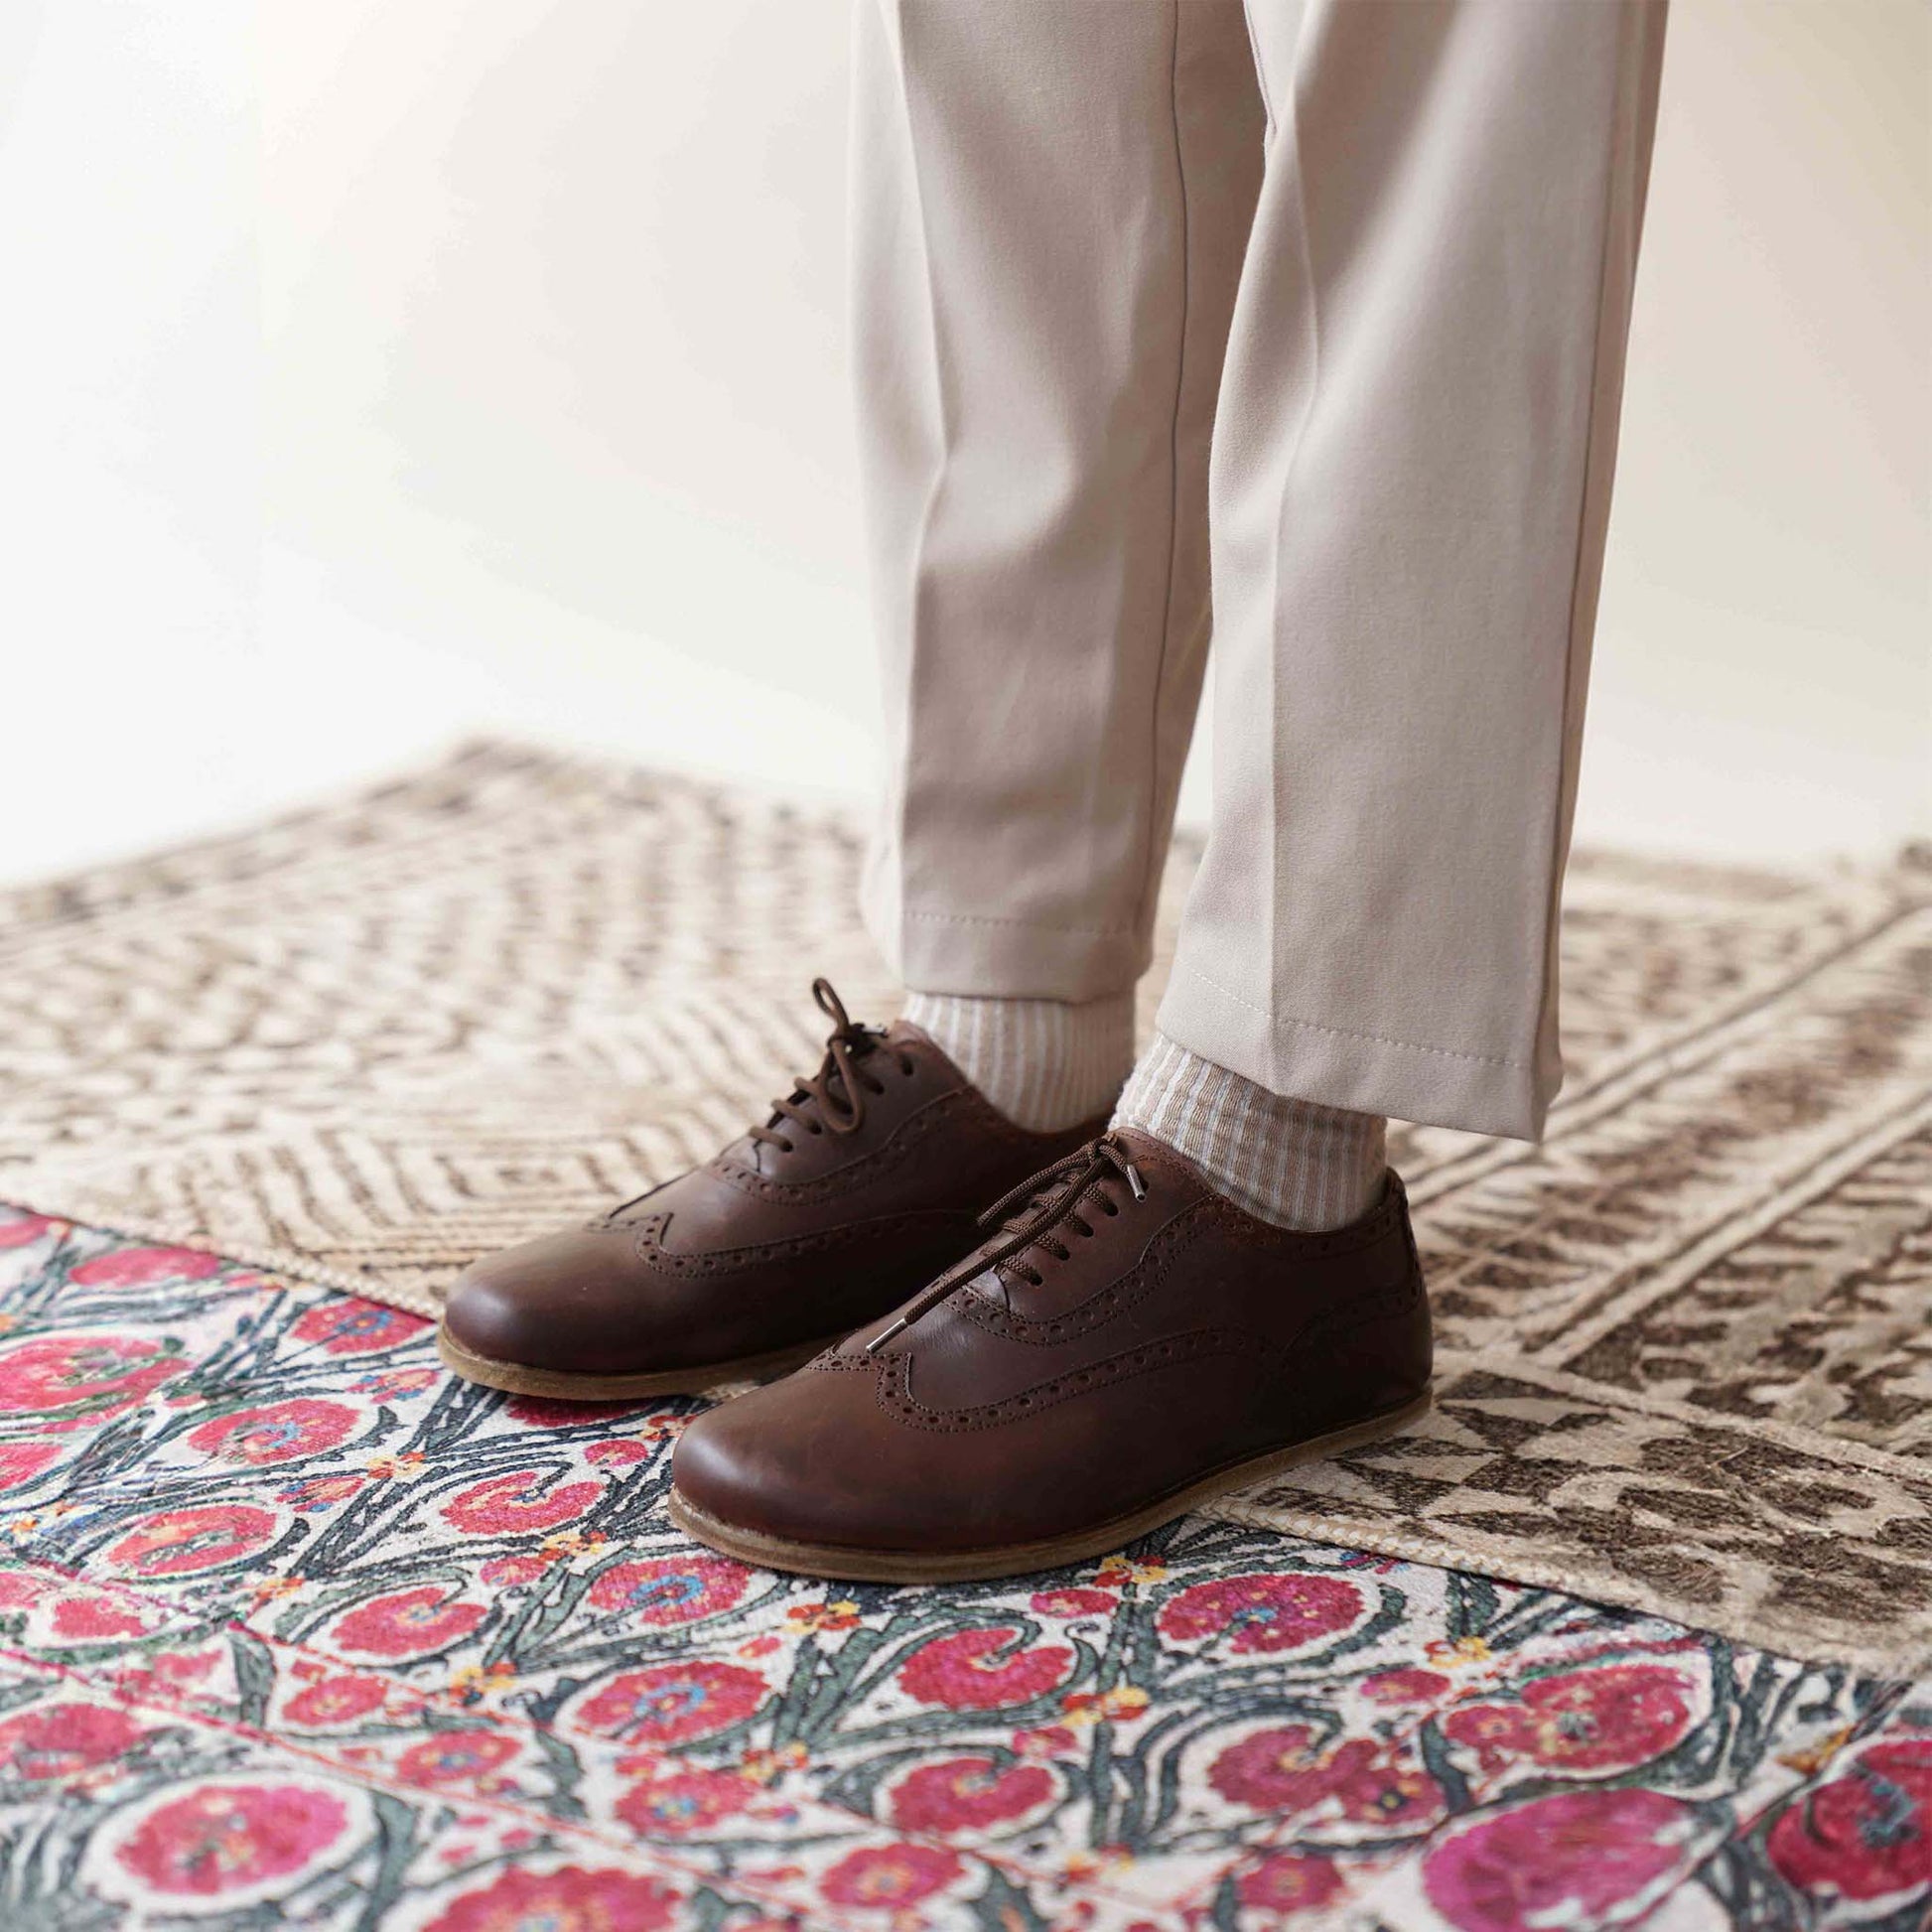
x: 1289, y: 1162
x: 1044, y: 1064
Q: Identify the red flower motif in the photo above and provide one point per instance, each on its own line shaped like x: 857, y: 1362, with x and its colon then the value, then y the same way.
x: 84, y: 1616
x: 179, y: 1541
x: 970, y: 1794
x: 1404, y: 1685
x: 1055, y: 1741
x: 18, y: 1230
x: 60, y: 1739
x: 1379, y: 1788
x: 1074, y: 1602
x: 336, y: 1701
x: 168, y: 1675
x: 1582, y: 1857
x: 966, y: 1672
x: 547, y: 1412
x: 229, y: 1837
x: 566, y: 1900
x: 278, y: 1431
x: 21, y: 1462
x: 1364, y: 1781
x: 353, y: 1327
x: 673, y: 1803
x: 669, y: 1702
x: 620, y: 1453
x: 1266, y: 1613
x: 671, y: 1590
x: 142, y: 1267
x: 1866, y: 1833
x: 387, y: 1384
x: 1273, y: 1770
x: 103, y: 1374
x: 889, y: 1878
x: 407, y: 1623
x: 319, y: 1492
x: 1608, y: 1718
x: 1287, y: 1882
x: 508, y: 1573
x: 515, y: 1504
x: 18, y: 1590
x: 456, y: 1757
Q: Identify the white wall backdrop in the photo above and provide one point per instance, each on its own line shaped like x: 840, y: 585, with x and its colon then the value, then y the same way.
x: 131, y: 678
x: 476, y: 365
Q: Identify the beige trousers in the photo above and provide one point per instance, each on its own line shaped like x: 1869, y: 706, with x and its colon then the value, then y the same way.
x: 1320, y: 307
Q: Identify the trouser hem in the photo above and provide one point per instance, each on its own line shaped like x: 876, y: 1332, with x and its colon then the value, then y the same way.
x: 1366, y: 1073
x: 995, y: 958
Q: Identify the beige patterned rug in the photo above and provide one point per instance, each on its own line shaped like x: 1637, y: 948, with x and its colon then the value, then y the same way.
x: 1686, y: 1344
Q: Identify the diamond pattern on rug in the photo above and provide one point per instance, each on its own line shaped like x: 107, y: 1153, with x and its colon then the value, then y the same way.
x: 293, y: 1628
x: 1685, y: 1358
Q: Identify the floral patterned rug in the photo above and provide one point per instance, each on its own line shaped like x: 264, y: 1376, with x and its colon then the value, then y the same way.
x: 1683, y: 1362
x: 295, y: 1629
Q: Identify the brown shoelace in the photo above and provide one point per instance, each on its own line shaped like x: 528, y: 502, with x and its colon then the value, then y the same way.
x: 1051, y: 1199
x: 833, y: 1100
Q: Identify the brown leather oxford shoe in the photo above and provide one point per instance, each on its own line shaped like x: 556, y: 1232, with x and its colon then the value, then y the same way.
x: 1128, y: 1346
x: 865, y: 1181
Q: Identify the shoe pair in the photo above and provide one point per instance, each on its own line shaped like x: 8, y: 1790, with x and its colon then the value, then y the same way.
x: 985, y: 1391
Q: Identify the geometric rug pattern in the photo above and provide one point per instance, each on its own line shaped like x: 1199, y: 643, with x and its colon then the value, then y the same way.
x: 1684, y: 1362
x: 296, y: 1629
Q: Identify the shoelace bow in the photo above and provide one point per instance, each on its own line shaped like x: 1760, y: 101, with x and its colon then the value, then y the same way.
x: 833, y: 1100
x: 1048, y: 1209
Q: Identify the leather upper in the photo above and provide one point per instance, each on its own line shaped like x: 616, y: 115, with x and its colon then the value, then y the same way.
x: 767, y: 1245
x: 1178, y: 1337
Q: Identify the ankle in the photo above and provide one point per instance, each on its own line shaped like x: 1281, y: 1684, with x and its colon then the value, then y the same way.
x: 1045, y: 1064
x: 1292, y: 1163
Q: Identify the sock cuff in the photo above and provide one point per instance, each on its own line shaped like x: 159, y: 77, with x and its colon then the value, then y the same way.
x: 1045, y: 1064
x: 1290, y: 1161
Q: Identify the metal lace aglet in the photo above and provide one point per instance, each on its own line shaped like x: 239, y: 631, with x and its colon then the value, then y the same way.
x: 1134, y: 1180
x: 878, y: 1341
